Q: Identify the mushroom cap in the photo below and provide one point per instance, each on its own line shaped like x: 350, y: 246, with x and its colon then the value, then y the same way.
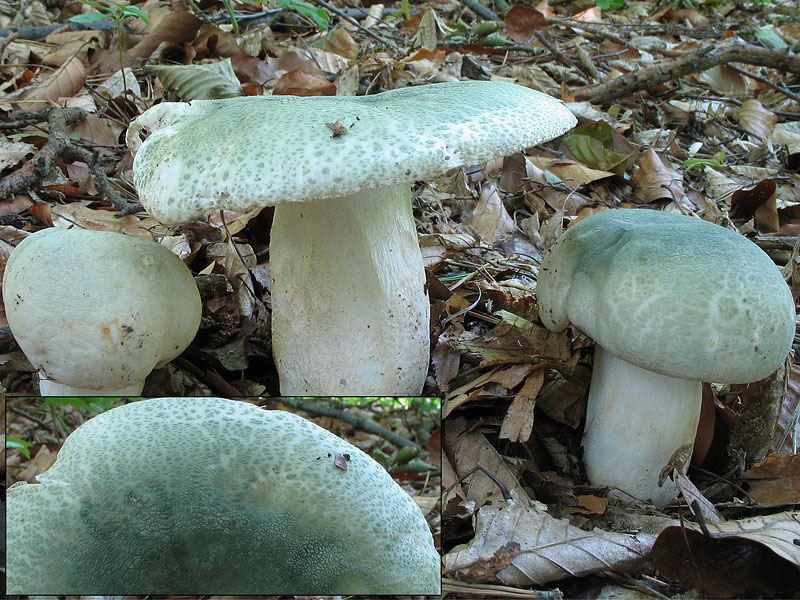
x: 214, y: 496
x: 669, y: 293
x: 97, y: 309
x: 250, y: 152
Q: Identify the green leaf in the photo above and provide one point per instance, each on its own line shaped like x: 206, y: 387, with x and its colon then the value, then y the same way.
x: 593, y: 150
x: 317, y: 15
x: 18, y: 444
x: 200, y: 82
x: 97, y: 404
x: 88, y: 18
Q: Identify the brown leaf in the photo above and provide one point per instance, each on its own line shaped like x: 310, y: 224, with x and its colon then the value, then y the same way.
x: 737, y: 560
x: 549, y: 549
x: 655, y: 180
x: 523, y: 22
x: 756, y: 119
x: 788, y: 428
x: 758, y: 202
x: 490, y: 219
x: 342, y: 43
x: 64, y: 82
x: 467, y: 448
x: 516, y: 339
x: 167, y: 24
x: 300, y: 83
x: 518, y: 422
x: 775, y: 480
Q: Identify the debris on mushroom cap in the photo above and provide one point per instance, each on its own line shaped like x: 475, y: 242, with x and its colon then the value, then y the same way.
x: 97, y: 309
x: 213, y: 496
x: 243, y: 153
x: 670, y: 293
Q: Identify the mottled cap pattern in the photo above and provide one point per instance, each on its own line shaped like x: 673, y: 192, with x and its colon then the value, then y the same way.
x: 245, y: 153
x: 670, y: 293
x: 213, y: 496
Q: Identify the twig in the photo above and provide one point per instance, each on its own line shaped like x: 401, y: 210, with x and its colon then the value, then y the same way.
x: 326, y: 409
x: 693, y: 62
x: 765, y: 81
x: 59, y: 145
x: 480, y: 10
x: 352, y: 21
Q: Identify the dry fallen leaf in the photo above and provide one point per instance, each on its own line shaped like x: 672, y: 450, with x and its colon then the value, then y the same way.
x: 533, y: 548
x: 775, y: 480
x: 756, y: 119
x: 737, y: 560
x: 655, y: 180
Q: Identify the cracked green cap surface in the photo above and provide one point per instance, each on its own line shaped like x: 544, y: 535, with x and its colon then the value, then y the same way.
x: 213, y: 496
x: 670, y: 293
x: 245, y: 153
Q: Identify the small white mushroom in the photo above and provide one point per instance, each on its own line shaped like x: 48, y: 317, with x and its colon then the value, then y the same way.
x: 96, y: 311
x: 671, y: 301
x: 213, y: 496
x: 350, y: 307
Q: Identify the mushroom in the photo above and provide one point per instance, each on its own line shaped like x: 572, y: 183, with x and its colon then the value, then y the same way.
x: 214, y: 496
x: 671, y: 301
x: 349, y: 300
x: 96, y: 311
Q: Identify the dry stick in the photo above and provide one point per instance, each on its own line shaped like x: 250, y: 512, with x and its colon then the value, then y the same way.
x: 480, y: 10
x: 693, y: 62
x: 352, y: 21
x: 328, y: 409
x: 765, y: 81
x: 59, y: 145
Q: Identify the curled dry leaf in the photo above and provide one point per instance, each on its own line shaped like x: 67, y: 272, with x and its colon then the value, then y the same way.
x: 775, y: 480
x: 64, y: 82
x: 518, y: 422
x: 735, y: 558
x: 655, y: 180
x: 533, y: 548
x: 523, y: 22
x: 490, y: 219
x: 756, y: 119
x: 166, y: 25
x: 517, y: 338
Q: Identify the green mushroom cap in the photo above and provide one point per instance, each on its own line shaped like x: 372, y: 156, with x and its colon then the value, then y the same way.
x: 213, y: 496
x: 671, y: 294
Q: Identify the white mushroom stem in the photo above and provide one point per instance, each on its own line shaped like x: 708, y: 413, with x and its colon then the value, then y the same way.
x: 350, y: 307
x: 635, y: 420
x: 48, y: 387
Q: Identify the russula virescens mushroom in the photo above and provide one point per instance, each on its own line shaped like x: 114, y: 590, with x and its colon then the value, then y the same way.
x: 349, y: 300
x: 214, y: 496
x: 96, y: 311
x: 671, y: 301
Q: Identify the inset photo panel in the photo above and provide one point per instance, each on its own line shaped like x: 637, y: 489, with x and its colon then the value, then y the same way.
x: 209, y: 496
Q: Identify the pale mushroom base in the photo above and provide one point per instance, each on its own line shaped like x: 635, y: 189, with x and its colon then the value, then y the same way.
x: 350, y: 308
x: 48, y: 387
x: 635, y: 420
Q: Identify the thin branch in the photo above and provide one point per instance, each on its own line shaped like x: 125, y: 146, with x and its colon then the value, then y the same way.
x: 693, y: 62
x: 59, y: 145
x: 352, y: 21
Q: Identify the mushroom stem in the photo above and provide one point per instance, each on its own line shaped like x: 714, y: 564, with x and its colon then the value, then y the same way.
x: 48, y: 387
x: 635, y: 420
x: 350, y: 309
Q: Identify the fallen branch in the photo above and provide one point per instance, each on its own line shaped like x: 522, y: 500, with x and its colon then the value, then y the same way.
x: 59, y: 145
x: 693, y: 62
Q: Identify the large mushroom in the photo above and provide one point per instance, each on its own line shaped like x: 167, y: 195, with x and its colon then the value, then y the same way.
x: 349, y: 300
x: 96, y: 311
x: 671, y: 301
x: 213, y: 496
